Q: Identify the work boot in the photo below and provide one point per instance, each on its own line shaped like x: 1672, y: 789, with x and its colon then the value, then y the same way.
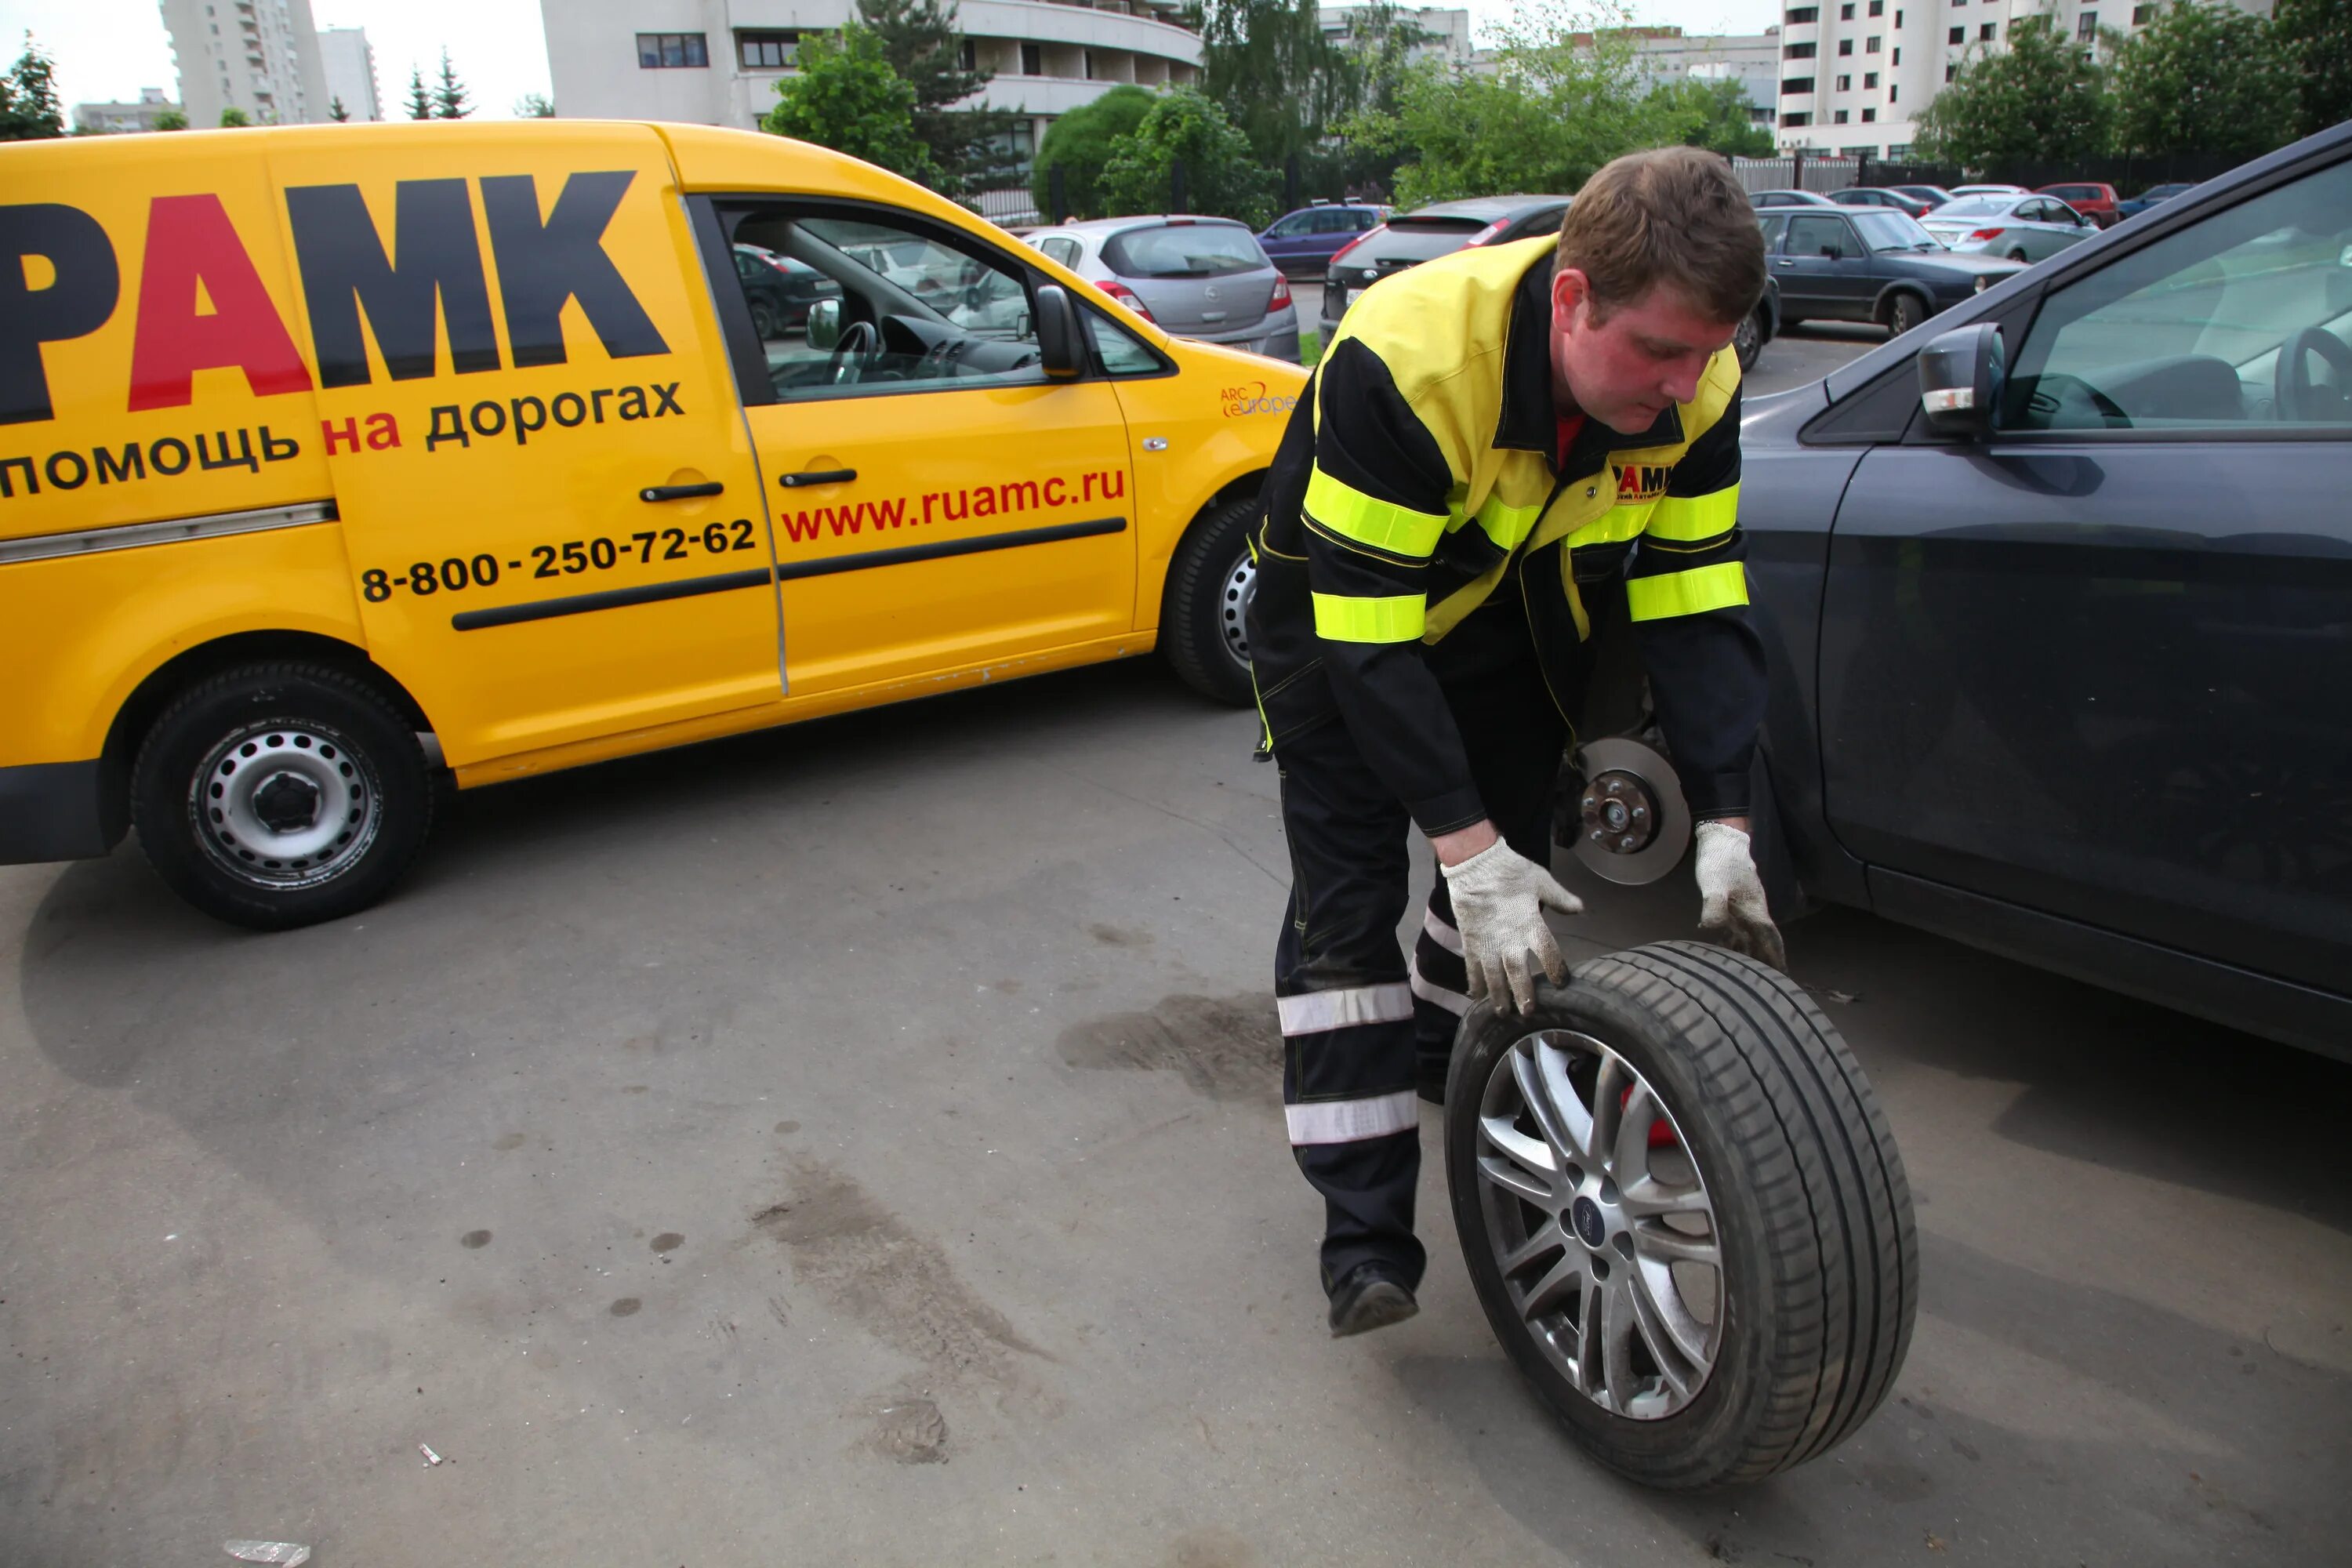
x: 1371, y: 1297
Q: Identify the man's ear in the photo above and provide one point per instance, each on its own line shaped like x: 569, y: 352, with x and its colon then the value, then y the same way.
x: 1570, y: 290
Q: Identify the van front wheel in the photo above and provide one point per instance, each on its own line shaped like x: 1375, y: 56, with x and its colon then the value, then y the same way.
x: 1204, y: 620
x: 274, y: 795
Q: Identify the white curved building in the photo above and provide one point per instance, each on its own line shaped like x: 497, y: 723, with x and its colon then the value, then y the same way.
x: 717, y: 62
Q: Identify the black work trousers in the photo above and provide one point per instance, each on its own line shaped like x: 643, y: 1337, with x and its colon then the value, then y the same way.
x: 1358, y: 1022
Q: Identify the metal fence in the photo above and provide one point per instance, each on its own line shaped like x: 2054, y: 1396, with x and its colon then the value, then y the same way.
x: 2129, y: 174
x: 1013, y: 207
x: 1797, y: 172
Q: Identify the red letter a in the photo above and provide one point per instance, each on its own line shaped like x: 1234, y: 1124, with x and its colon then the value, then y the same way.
x: 190, y: 239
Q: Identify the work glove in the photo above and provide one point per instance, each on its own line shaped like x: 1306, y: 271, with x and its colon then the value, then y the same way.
x: 1732, y: 912
x: 1499, y: 897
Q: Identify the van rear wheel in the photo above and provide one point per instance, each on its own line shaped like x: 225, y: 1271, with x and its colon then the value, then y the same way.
x: 1204, y: 623
x: 275, y: 795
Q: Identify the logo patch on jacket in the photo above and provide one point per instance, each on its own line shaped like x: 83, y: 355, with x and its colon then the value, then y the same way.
x: 1638, y: 482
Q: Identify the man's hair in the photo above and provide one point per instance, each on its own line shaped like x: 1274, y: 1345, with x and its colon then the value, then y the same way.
x: 1671, y: 216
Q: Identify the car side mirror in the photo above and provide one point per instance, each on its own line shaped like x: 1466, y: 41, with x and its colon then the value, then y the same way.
x: 1061, y: 340
x: 1961, y: 375
x: 824, y: 324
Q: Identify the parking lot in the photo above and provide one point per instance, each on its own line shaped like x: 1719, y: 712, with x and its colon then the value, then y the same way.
x: 862, y: 1143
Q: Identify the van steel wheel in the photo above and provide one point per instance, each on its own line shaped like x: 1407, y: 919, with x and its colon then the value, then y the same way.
x: 1203, y: 619
x: 1684, y: 1214
x: 277, y: 795
x: 1748, y: 341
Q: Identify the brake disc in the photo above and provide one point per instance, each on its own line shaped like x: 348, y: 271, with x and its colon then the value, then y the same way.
x: 1632, y: 825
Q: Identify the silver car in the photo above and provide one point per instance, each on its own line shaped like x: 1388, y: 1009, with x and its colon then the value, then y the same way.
x: 2025, y: 228
x: 1199, y: 278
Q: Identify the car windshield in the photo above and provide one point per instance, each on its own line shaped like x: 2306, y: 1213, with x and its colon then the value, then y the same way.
x: 1184, y: 251
x: 1885, y: 229
x: 1975, y: 206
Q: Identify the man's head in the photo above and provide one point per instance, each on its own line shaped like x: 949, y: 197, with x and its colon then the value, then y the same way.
x: 1659, y: 260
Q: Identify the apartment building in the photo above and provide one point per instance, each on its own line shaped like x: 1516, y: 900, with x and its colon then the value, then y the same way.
x: 1445, y: 35
x: 257, y: 56
x: 349, y: 62
x: 717, y: 62
x: 1855, y: 74
x: 109, y: 119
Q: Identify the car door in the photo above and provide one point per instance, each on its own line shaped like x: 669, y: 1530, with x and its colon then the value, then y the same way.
x: 2099, y: 665
x: 1824, y: 268
x: 939, y: 502
x: 511, y: 478
x: 1289, y: 243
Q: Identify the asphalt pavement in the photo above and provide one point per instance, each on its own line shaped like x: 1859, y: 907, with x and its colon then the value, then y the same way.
x: 862, y: 1143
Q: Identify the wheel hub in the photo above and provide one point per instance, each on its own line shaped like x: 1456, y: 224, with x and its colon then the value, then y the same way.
x: 1620, y: 815
x: 1603, y: 1230
x: 284, y: 805
x: 1633, y: 826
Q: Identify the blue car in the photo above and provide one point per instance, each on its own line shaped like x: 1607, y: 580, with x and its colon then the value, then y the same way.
x: 1302, y: 243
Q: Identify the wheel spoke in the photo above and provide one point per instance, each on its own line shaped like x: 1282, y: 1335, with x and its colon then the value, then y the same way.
x: 1677, y: 1342
x: 1629, y: 1157
x: 1666, y: 1245
x: 1609, y: 1087
x: 1551, y: 1101
x: 1516, y: 1182
x: 1618, y: 1325
x: 1531, y: 1154
x: 1548, y: 1239
x: 1649, y: 1197
x: 1548, y: 1294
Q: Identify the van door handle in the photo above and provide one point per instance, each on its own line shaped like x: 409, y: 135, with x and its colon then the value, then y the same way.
x: 819, y: 477
x: 679, y: 493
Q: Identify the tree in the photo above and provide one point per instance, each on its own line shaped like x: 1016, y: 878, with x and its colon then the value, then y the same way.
x: 1220, y: 175
x: 336, y: 111
x: 1713, y: 113
x: 28, y: 98
x: 1080, y: 144
x: 2043, y: 100
x: 420, y: 102
x: 1274, y: 75
x: 2317, y: 37
x: 534, y: 106
x: 970, y: 148
x: 2204, y: 79
x: 847, y: 97
x: 449, y: 97
x: 1564, y: 98
x: 235, y: 119
x: 171, y: 120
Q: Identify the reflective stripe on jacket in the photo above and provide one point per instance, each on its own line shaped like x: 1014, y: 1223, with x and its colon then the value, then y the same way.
x: 1417, y: 482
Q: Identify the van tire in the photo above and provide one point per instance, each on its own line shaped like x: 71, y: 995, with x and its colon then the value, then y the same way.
x: 1817, y: 1283
x: 351, y: 760
x: 1209, y: 585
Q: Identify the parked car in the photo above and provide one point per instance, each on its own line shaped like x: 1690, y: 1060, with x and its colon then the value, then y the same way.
x: 1201, y: 277
x: 2026, y: 228
x: 2057, y: 597
x: 2094, y: 201
x: 1868, y: 265
x: 1881, y: 197
x: 1934, y: 196
x: 1427, y: 233
x: 275, y: 663
x: 2154, y: 196
x: 1789, y: 199
x: 780, y: 290
x: 1302, y: 243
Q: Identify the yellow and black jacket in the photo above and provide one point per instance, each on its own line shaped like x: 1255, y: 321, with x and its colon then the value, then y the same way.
x: 1417, y: 484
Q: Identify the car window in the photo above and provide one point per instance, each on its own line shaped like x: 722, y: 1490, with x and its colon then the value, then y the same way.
x: 2244, y: 318
x: 914, y: 311
x: 1062, y: 249
x: 1184, y: 251
x: 1974, y: 206
x: 1774, y: 226
x: 1290, y: 227
x: 1885, y: 230
x: 1542, y: 223
x: 1811, y: 235
x: 1119, y: 352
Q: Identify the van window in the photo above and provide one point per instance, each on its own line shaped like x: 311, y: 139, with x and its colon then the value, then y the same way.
x: 896, y: 308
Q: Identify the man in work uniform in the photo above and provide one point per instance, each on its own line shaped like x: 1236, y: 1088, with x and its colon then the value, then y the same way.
x: 1492, y: 442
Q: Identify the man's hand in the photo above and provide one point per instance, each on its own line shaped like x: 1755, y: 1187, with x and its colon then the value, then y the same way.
x: 1732, y: 910
x: 1499, y: 897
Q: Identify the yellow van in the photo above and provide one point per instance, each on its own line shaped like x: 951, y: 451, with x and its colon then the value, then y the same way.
x: 334, y: 457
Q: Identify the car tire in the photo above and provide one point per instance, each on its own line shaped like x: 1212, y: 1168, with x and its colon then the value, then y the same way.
x: 1747, y: 1098
x: 354, y: 806
x: 1903, y: 312
x: 1748, y: 341
x: 763, y: 320
x: 1203, y: 627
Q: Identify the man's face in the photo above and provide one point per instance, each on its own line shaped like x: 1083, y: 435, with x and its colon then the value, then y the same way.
x: 1626, y: 367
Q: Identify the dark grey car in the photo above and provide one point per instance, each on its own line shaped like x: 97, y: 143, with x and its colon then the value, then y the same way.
x: 1870, y: 264
x: 2057, y: 596
x: 1427, y: 233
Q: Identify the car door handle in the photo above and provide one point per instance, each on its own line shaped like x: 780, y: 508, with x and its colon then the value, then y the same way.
x: 1788, y: 262
x: 681, y: 493
x: 819, y: 477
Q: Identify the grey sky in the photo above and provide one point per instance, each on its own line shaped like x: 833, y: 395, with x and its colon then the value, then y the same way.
x: 111, y: 49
